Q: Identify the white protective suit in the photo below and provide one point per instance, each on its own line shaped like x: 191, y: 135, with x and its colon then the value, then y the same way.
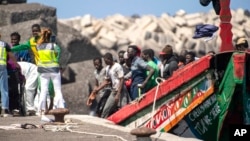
x: 29, y: 71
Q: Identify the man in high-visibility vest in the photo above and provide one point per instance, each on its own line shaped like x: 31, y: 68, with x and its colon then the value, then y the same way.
x: 4, y: 51
x: 31, y: 45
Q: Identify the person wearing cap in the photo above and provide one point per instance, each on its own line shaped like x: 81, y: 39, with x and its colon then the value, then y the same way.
x: 241, y: 44
x: 139, y: 69
x: 169, y: 62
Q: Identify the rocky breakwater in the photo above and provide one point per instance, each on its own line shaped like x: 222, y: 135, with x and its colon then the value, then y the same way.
x: 116, y: 32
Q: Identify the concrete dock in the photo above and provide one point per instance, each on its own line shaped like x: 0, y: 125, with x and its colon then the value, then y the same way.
x: 76, y: 127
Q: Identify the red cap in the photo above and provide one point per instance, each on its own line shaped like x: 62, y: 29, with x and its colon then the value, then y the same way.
x: 162, y: 53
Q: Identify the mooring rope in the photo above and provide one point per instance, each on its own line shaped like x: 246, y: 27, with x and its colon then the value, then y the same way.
x: 158, y: 81
x: 68, y: 127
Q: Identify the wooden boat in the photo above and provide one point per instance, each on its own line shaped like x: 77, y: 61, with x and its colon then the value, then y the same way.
x: 209, y: 94
x: 201, y: 93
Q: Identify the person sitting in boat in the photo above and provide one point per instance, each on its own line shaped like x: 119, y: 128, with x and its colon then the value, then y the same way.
x: 241, y: 44
x: 122, y: 57
x: 148, y: 56
x: 138, y: 68
x: 182, y: 61
x: 169, y: 62
x: 190, y: 57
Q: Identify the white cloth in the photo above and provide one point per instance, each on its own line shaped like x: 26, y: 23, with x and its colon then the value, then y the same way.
x: 29, y: 71
x: 115, y: 73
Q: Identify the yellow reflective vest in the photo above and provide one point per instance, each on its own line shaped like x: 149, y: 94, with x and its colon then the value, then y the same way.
x: 3, y: 54
x: 33, y: 48
x: 47, y: 56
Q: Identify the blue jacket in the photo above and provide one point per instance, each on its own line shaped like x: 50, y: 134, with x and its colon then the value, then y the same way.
x: 204, y: 30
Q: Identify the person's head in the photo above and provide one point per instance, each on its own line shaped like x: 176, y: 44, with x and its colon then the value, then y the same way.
x: 108, y: 59
x: 211, y: 53
x: 36, y: 30
x: 166, y: 53
x: 241, y: 44
x: 121, y: 57
x: 15, y: 38
x: 126, y: 59
x: 45, y: 36
x: 98, y: 63
x: 182, y: 61
x: 183, y: 52
x: 190, y: 57
x: 147, y: 54
x: 132, y: 51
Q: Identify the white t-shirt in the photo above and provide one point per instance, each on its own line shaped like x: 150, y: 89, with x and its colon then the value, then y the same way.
x: 114, y: 74
x: 100, y: 75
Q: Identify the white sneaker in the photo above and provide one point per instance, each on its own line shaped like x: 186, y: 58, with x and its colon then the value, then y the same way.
x: 7, y: 115
x: 16, y: 112
x: 45, y: 119
x: 38, y: 114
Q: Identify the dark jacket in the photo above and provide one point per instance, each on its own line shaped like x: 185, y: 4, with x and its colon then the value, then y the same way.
x: 170, y: 67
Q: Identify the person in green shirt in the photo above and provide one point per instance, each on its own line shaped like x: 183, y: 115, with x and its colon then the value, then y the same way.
x: 31, y: 45
x: 148, y: 56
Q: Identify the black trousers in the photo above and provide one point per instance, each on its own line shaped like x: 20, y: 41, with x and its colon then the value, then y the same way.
x: 13, y: 90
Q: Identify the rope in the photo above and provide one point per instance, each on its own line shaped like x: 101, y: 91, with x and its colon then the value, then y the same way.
x: 158, y: 80
x: 68, y: 127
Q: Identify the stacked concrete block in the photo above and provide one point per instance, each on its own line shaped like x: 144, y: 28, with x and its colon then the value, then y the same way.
x: 152, y: 44
x: 240, y: 16
x: 180, y: 21
x: 86, y: 21
x: 169, y: 20
x: 117, y: 31
x: 194, y: 19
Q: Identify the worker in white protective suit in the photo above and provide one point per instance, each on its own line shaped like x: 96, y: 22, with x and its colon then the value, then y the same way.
x: 29, y: 71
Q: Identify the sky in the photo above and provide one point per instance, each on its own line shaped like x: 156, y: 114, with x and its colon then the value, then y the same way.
x: 103, y: 8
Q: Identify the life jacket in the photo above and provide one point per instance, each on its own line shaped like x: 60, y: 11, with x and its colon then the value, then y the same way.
x: 33, y: 49
x: 3, y: 54
x: 47, y: 57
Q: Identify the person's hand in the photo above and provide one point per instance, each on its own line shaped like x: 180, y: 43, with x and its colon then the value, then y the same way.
x: 107, y: 83
x: 117, y: 97
x: 141, y: 85
x: 91, y: 98
x: 95, y: 90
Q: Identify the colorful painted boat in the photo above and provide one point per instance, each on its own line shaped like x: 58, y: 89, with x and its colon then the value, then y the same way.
x: 200, y: 94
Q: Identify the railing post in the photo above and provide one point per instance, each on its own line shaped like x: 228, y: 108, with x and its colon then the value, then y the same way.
x: 225, y: 26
